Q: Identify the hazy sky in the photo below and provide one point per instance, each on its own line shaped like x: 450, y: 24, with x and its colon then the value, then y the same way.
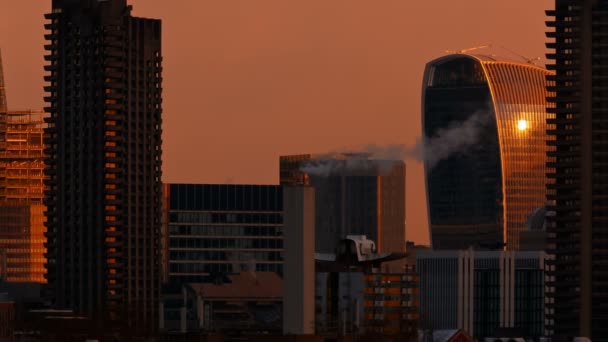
x: 248, y: 80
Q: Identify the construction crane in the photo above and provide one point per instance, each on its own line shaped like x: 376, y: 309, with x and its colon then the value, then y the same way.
x: 469, y: 49
x: 525, y: 58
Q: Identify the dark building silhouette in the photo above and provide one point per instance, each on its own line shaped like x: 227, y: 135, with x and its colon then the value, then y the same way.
x: 484, y: 124
x: 355, y: 195
x: 578, y: 159
x: 103, y: 139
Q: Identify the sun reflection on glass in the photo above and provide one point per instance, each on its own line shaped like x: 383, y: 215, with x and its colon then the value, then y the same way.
x: 522, y: 125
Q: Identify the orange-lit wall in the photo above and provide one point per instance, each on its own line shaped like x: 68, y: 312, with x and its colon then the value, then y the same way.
x: 519, y: 94
x: 21, y: 193
x: 391, y: 303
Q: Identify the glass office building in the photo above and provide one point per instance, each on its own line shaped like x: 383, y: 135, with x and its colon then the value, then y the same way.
x: 481, y: 189
x: 354, y: 195
x: 214, y: 230
x: 21, y: 193
x: 21, y: 197
x: 483, y: 292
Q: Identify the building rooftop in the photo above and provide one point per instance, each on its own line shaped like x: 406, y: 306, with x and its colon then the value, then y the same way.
x: 260, y: 285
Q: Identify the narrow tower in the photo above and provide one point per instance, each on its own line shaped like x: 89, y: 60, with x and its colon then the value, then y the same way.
x: 104, y: 162
x: 3, y: 106
x: 578, y: 162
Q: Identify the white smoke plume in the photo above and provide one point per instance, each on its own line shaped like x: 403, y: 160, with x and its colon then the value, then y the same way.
x: 458, y: 137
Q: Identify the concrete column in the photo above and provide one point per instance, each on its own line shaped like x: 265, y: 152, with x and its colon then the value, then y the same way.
x: 299, y: 264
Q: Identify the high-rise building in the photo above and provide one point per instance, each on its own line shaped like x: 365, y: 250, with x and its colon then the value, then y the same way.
x: 103, y: 140
x: 21, y: 196
x: 484, y: 124
x: 355, y: 195
x: 578, y: 162
x: 484, y: 293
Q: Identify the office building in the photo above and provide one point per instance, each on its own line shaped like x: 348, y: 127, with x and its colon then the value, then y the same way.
x: 299, y: 279
x: 355, y: 195
x: 484, y: 124
x: 578, y: 163
x: 220, y: 229
x: 482, y: 292
x: 216, y: 230
x: 21, y: 194
x: 104, y: 195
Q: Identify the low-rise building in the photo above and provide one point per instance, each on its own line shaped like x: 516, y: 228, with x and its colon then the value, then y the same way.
x: 249, y: 303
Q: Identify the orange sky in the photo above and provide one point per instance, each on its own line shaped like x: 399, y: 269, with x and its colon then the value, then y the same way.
x: 248, y: 80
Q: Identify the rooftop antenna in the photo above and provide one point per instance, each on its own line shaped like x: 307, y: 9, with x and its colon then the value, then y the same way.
x: 469, y: 49
x: 525, y: 58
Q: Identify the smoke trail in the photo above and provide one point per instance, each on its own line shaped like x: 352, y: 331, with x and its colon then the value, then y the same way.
x: 458, y: 137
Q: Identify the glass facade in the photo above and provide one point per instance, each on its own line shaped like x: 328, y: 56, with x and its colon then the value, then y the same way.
x: 354, y: 195
x: 483, y: 292
x: 215, y: 230
x: 481, y: 195
x: 21, y: 197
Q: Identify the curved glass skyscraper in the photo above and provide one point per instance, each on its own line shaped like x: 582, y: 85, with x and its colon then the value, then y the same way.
x: 484, y: 124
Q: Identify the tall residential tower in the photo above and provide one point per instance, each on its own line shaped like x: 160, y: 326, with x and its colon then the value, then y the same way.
x: 578, y: 187
x: 481, y: 194
x: 103, y: 141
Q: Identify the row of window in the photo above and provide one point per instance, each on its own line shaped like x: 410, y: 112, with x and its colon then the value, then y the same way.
x: 176, y: 269
x: 225, y: 256
x: 226, y: 230
x: 190, y: 243
x: 207, y: 217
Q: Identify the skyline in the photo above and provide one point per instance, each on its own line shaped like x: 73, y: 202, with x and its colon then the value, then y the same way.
x: 370, y: 77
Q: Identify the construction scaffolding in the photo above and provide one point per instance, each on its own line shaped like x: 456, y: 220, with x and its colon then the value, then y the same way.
x: 21, y: 196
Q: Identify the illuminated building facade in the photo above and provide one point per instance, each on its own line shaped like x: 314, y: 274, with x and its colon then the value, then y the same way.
x: 21, y: 197
x: 21, y: 193
x: 391, y: 304
x: 355, y: 195
x: 481, y: 195
x: 578, y: 162
x: 104, y: 194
